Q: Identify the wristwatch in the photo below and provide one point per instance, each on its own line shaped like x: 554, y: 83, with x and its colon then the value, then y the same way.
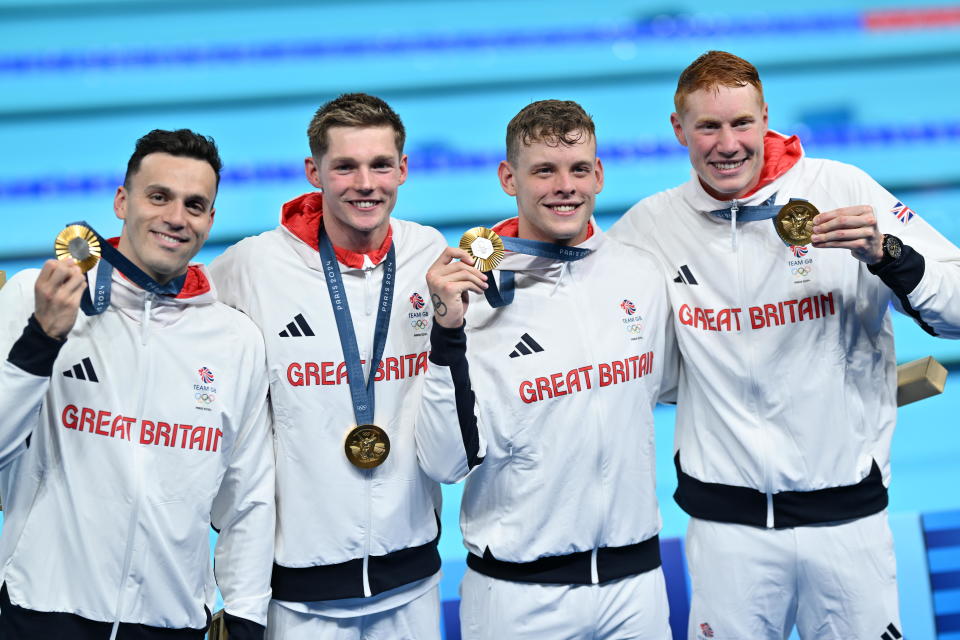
x: 892, y: 250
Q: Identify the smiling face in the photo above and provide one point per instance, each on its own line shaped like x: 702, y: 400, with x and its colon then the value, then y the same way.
x: 723, y: 129
x: 359, y: 174
x: 167, y: 211
x: 556, y: 186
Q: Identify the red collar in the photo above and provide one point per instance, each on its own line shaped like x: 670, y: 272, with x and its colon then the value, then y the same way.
x: 195, y: 284
x: 779, y: 156
x: 302, y: 217
x: 511, y: 228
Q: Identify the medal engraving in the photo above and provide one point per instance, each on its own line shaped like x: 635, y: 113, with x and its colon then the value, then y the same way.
x: 794, y: 222
x: 484, y: 246
x: 80, y: 243
x: 367, y: 446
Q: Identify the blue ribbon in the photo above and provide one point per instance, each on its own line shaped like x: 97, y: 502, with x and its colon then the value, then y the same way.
x: 361, y: 394
x: 502, y: 295
x: 751, y: 213
x: 111, y: 258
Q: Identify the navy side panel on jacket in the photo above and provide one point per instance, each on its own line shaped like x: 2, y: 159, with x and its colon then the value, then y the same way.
x: 902, y: 276
x: 449, y: 348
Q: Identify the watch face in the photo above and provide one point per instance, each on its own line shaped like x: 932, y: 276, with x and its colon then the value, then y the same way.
x: 892, y: 247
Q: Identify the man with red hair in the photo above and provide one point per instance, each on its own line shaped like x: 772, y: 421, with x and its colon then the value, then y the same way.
x: 783, y: 458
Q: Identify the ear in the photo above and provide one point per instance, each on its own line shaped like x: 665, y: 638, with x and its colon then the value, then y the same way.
x: 403, y: 169
x: 598, y: 171
x: 312, y: 171
x: 678, y: 128
x: 120, y: 202
x: 213, y: 212
x: 507, y: 180
x: 766, y: 119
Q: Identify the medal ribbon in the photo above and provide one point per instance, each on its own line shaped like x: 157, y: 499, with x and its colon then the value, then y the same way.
x: 98, y: 303
x: 752, y: 213
x: 503, y: 295
x: 361, y: 394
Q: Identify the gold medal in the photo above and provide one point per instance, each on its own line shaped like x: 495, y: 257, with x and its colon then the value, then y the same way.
x: 794, y: 222
x: 367, y: 446
x: 484, y: 246
x: 81, y: 244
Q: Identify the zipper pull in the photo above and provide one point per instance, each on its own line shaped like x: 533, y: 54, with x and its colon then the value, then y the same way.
x: 734, y: 208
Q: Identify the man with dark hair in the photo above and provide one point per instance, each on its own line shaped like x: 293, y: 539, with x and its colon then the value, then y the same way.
x: 552, y: 428
x: 338, y: 291
x: 129, y: 430
x: 181, y: 143
x: 788, y: 400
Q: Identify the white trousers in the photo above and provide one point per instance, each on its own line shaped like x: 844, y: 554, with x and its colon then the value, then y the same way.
x: 418, y: 619
x: 835, y: 582
x: 634, y: 607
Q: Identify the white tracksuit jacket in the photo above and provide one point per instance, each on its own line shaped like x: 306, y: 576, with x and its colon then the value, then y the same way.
x: 151, y: 426
x: 545, y: 407
x: 788, y: 382
x: 342, y: 532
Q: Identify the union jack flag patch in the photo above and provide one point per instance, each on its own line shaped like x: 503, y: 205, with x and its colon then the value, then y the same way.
x: 205, y: 375
x: 903, y: 212
x: 628, y: 307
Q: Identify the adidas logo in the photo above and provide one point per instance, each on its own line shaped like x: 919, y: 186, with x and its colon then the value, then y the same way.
x: 685, y: 276
x: 892, y: 633
x: 298, y: 328
x: 82, y: 371
x: 526, y: 346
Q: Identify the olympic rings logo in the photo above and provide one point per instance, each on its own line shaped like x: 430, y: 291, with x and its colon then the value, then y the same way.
x: 802, y: 271
x: 205, y: 398
x: 419, y: 323
x: 635, y: 328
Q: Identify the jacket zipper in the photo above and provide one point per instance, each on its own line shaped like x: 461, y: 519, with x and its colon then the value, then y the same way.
x: 755, y: 393
x: 368, y: 305
x: 601, y: 419
x: 144, y: 370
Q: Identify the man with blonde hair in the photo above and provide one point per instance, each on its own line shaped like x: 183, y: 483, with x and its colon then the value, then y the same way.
x: 787, y: 401
x: 543, y: 402
x: 338, y: 291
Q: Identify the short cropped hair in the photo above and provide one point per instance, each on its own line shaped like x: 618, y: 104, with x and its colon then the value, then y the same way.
x: 554, y: 122
x: 353, y: 110
x: 713, y: 69
x: 182, y: 142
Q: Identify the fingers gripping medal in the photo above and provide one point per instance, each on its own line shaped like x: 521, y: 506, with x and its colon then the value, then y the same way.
x: 794, y: 222
x: 81, y: 244
x: 367, y: 446
x: 484, y: 246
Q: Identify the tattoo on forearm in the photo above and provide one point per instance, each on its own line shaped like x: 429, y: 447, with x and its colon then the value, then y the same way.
x: 438, y: 306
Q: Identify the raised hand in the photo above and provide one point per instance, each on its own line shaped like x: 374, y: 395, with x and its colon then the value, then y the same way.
x: 57, y: 293
x: 449, y: 282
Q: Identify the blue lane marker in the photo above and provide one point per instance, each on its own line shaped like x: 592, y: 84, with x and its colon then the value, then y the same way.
x: 664, y: 27
x: 434, y: 158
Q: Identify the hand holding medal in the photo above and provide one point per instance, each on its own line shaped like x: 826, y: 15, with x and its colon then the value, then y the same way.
x: 61, y: 283
x: 456, y: 273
